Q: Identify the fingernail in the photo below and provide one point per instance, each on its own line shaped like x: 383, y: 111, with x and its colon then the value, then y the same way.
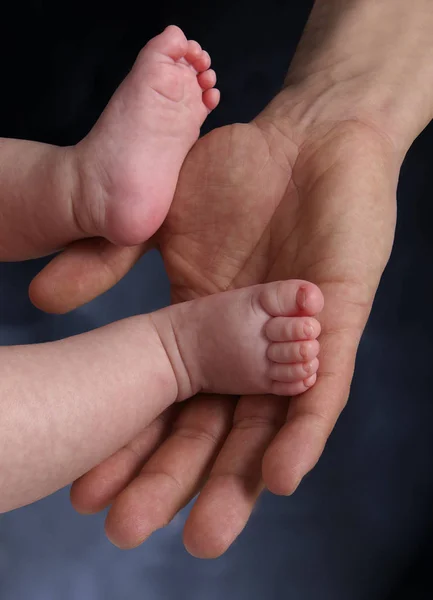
x: 308, y: 330
x: 310, y: 380
x: 301, y: 298
x: 295, y: 487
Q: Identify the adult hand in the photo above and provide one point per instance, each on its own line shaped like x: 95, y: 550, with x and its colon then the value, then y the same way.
x: 305, y: 191
x: 251, y: 207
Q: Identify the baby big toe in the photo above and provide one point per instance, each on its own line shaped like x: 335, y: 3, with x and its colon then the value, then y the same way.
x: 171, y: 41
x: 289, y: 373
x: 291, y: 298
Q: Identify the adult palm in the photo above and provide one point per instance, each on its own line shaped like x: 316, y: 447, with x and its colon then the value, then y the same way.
x: 255, y: 202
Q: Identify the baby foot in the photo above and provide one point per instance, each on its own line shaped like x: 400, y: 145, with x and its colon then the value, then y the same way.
x: 256, y: 340
x: 130, y: 161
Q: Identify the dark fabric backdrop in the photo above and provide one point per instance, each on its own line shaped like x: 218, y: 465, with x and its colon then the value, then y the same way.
x: 360, y: 525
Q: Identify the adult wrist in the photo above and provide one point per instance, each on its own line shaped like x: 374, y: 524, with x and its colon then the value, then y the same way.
x: 363, y: 61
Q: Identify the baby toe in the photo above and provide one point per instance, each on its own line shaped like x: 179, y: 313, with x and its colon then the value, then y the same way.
x: 289, y: 373
x: 293, y: 352
x: 194, y: 52
x: 287, y: 329
x: 202, y: 63
x: 293, y: 389
x: 211, y: 98
x: 291, y: 298
x: 207, y: 79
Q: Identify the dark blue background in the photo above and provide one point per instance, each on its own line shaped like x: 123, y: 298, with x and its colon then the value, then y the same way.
x: 360, y: 525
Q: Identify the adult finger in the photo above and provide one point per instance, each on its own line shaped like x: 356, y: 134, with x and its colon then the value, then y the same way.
x: 82, y: 272
x: 95, y: 490
x: 228, y: 498
x: 174, y: 473
x: 311, y: 417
